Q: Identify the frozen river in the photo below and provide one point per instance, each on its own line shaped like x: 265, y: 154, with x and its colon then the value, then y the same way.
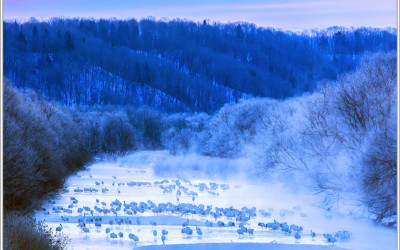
x: 155, y: 177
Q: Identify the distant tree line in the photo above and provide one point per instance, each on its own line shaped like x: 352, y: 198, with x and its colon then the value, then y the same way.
x: 182, y: 65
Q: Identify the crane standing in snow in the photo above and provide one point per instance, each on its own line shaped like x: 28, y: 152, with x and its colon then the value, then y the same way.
x: 163, y: 238
x: 113, y: 236
x: 155, y: 234
x: 59, y: 228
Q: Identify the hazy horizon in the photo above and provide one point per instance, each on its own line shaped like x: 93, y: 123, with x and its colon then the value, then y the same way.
x: 286, y: 15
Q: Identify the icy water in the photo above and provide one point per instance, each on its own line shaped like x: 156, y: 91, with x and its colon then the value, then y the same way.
x: 156, y: 177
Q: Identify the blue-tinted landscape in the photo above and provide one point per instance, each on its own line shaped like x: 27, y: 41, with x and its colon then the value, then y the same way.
x: 154, y: 133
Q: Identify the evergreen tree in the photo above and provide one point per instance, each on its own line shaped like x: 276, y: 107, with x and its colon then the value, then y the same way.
x: 239, y: 32
x: 34, y: 32
x: 68, y: 41
x: 147, y: 78
x: 21, y: 37
x: 137, y: 75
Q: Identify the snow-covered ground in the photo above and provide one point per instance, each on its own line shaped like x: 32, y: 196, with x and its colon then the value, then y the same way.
x: 240, y: 246
x: 275, y: 199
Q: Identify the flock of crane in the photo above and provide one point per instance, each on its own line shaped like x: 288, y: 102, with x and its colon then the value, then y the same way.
x: 124, y: 213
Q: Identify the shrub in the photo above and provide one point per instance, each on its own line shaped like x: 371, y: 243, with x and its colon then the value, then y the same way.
x: 22, y: 232
x: 119, y: 134
x: 181, y: 131
x: 233, y: 126
x: 149, y: 124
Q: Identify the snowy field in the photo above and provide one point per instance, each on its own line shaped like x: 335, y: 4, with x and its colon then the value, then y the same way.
x: 239, y: 246
x: 119, y: 194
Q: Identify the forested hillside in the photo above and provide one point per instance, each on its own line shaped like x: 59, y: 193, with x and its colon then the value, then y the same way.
x: 177, y: 65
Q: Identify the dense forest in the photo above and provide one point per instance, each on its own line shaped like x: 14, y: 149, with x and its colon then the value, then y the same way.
x: 177, y: 65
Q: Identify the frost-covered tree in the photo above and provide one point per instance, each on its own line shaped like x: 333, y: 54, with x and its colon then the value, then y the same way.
x: 42, y: 146
x: 349, y: 142
x: 119, y: 134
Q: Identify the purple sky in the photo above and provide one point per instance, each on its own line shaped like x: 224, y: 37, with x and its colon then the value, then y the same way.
x: 285, y: 14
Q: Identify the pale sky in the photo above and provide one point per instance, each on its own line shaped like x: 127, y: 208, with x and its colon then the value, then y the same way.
x: 284, y: 14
